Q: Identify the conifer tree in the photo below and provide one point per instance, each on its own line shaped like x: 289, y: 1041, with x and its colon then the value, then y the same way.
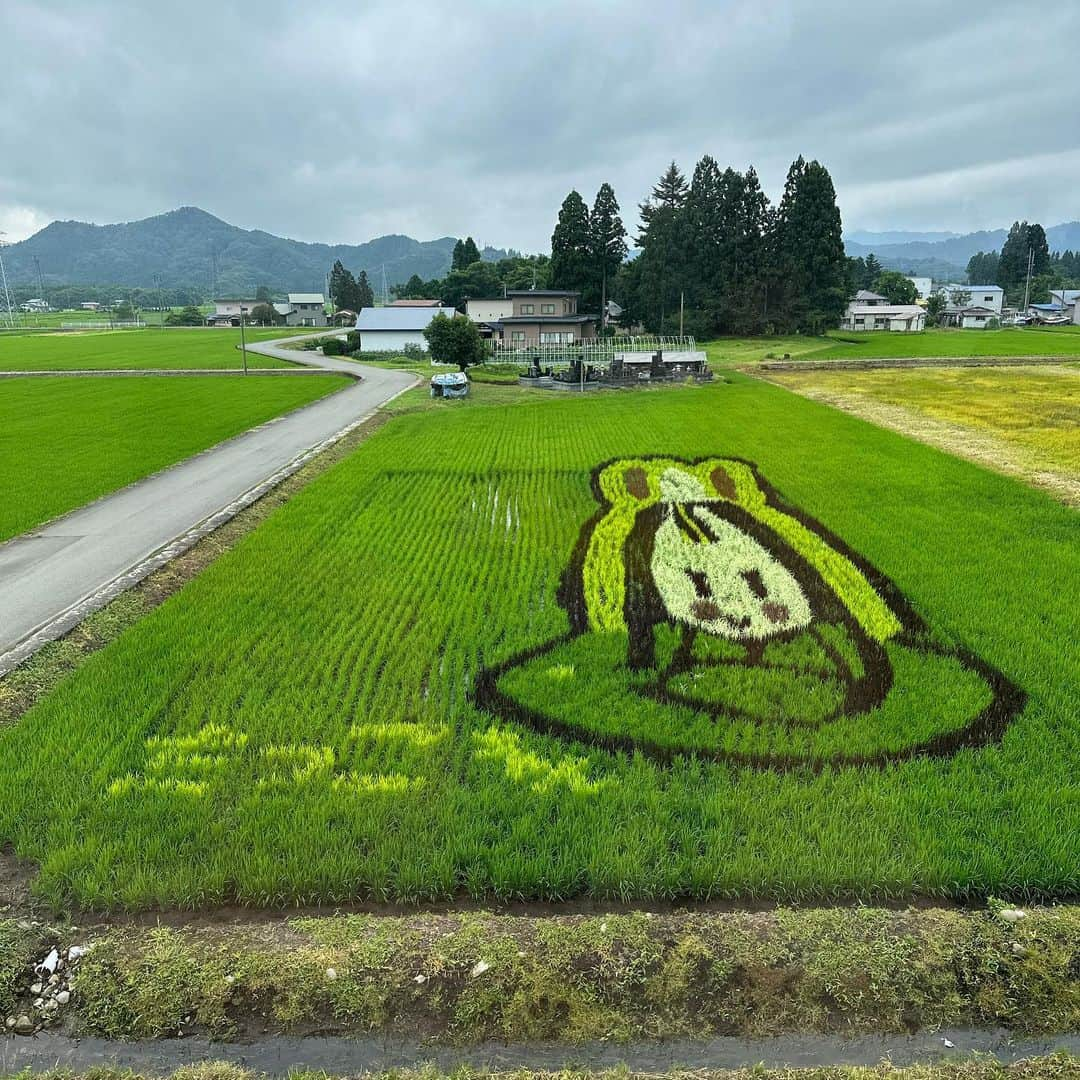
x: 607, y: 243
x: 570, y: 248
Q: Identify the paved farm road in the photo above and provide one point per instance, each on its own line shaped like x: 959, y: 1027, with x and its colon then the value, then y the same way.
x: 55, y: 575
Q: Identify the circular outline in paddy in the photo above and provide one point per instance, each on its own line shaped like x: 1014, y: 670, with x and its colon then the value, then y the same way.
x: 988, y: 726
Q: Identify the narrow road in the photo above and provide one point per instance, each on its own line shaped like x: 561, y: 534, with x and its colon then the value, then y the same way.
x: 53, y: 577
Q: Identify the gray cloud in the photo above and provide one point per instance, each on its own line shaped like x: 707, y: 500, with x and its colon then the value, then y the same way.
x: 325, y: 122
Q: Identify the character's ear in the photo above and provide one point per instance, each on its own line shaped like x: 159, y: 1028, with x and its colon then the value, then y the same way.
x: 722, y: 483
x: 637, y: 482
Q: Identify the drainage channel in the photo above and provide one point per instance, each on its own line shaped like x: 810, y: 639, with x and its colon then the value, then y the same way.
x: 280, y: 1055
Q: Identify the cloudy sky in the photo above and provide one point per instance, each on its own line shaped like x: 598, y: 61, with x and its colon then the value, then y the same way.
x: 340, y: 122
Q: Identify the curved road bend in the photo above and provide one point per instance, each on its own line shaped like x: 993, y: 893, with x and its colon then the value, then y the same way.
x: 55, y: 576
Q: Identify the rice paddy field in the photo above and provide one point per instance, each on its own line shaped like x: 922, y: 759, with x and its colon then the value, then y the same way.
x: 711, y: 642
x: 67, y: 441
x: 843, y: 345
x: 1036, y: 409
x: 127, y: 349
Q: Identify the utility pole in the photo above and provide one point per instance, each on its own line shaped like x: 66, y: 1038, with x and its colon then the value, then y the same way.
x: 1027, y: 287
x: 243, y: 343
x: 682, y: 300
x: 40, y: 279
x: 385, y: 291
x: 4, y: 284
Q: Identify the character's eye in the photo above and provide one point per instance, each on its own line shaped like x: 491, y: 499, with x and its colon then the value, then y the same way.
x: 757, y: 586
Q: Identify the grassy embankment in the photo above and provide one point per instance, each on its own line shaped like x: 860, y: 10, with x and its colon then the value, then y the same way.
x: 65, y: 442
x: 468, y: 977
x: 261, y: 711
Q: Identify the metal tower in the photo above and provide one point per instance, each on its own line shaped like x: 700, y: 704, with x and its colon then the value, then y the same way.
x: 9, y: 311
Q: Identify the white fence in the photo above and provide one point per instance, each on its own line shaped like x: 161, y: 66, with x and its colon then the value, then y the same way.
x: 101, y: 324
x: 591, y: 351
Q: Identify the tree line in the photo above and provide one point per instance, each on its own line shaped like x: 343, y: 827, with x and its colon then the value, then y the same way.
x: 1009, y: 266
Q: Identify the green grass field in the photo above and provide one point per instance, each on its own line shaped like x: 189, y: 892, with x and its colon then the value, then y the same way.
x: 127, y: 349
x: 844, y: 345
x: 66, y: 441
x: 448, y: 667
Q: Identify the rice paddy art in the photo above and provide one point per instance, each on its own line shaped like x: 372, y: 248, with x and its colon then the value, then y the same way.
x: 716, y: 621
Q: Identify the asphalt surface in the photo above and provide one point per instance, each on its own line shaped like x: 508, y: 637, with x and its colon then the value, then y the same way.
x: 60, y: 570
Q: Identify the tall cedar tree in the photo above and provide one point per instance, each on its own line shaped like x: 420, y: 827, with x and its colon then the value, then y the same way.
x: 465, y: 254
x: 809, y: 272
x: 607, y: 244
x: 570, y: 252
x: 365, y: 295
x: 1013, y: 261
x: 666, y: 254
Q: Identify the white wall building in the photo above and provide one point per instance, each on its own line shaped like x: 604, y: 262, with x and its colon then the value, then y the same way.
x: 983, y: 296
x: 390, y: 329
x: 924, y: 286
x: 899, y: 318
x: 483, y: 310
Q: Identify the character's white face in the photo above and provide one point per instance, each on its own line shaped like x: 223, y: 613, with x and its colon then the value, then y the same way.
x: 729, y: 586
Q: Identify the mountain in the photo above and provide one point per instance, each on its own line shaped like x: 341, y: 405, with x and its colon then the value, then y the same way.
x: 872, y: 239
x: 189, y: 247
x: 949, y: 256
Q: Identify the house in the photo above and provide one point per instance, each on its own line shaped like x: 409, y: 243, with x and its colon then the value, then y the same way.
x: 89, y: 305
x: 870, y: 299
x: 229, y: 308
x: 872, y: 315
x: 976, y: 318
x: 488, y: 309
x: 987, y: 296
x: 544, y: 317
x: 391, y: 329
x: 924, y: 286
x: 415, y: 303
x: 1069, y: 299
x: 35, y: 305
x: 308, y: 309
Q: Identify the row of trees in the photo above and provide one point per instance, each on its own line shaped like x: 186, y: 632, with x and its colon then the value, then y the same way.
x: 717, y: 248
x: 347, y: 291
x: 588, y: 248
x: 1009, y: 267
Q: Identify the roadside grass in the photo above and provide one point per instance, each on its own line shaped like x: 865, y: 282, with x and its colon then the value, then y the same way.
x: 128, y: 349
x: 734, y: 351
x: 67, y: 441
x: 462, y: 978
x: 298, y: 724
x: 1034, y: 408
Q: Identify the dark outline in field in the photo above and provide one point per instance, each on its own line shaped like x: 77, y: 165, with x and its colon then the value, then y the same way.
x: 988, y: 726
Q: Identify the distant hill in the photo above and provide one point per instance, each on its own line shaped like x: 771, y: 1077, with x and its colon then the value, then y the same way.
x: 900, y: 236
x: 189, y: 247
x: 949, y: 255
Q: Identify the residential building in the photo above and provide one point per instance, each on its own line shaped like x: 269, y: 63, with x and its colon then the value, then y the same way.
x: 544, y: 317
x: 899, y: 318
x: 391, y: 329
x: 924, y: 286
x: 36, y: 305
x: 90, y: 305
x: 415, y: 303
x: 489, y: 309
x: 976, y: 318
x: 870, y: 299
x: 1069, y: 299
x: 308, y: 309
x: 229, y: 308
x: 986, y: 296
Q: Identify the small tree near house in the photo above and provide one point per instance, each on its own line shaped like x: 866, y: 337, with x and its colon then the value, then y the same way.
x: 454, y: 341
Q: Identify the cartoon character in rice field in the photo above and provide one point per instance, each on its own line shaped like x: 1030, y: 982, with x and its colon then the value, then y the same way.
x: 708, y: 618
